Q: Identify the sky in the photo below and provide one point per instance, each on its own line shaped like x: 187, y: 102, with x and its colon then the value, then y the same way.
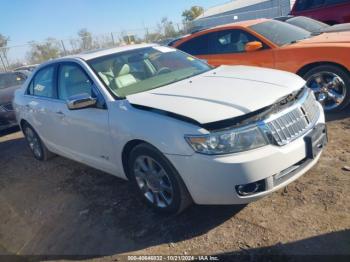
x: 36, y: 20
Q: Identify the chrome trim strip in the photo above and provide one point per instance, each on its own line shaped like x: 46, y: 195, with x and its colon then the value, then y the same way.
x: 293, y: 122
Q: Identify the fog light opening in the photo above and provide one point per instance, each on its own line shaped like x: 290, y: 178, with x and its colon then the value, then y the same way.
x: 251, y: 188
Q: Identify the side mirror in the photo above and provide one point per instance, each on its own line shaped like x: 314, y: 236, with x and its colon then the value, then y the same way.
x: 253, y: 46
x: 81, y: 101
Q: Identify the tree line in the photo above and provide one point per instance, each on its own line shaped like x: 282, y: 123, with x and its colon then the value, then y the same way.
x: 53, y: 48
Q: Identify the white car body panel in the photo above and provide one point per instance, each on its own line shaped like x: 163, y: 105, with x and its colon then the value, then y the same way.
x: 212, y: 183
x: 97, y: 137
x: 226, y: 92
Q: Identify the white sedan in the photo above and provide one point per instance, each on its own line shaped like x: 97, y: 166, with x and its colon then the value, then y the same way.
x: 178, y: 129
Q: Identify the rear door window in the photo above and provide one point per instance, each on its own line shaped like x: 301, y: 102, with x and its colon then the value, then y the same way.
x: 43, y: 82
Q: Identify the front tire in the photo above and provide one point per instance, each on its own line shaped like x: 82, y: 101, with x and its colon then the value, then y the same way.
x: 158, y: 183
x: 35, y: 144
x: 331, y: 85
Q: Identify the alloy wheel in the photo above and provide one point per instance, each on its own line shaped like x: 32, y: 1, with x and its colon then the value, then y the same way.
x: 34, y: 142
x: 329, y: 89
x: 153, y: 181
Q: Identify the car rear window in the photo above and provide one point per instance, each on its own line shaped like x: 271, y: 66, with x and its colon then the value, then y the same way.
x: 308, y: 24
x: 279, y: 32
x: 11, y: 79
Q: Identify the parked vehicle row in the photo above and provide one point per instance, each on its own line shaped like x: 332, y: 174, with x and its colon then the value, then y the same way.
x: 313, y: 26
x: 9, y: 82
x: 28, y: 68
x: 180, y: 130
x: 328, y: 11
x: 323, y: 60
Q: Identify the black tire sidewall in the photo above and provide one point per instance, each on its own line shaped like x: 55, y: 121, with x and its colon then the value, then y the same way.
x: 345, y: 76
x: 147, y: 150
x: 40, y: 143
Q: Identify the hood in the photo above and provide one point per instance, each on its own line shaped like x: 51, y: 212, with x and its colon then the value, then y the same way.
x: 6, y: 95
x: 328, y: 38
x: 223, y: 93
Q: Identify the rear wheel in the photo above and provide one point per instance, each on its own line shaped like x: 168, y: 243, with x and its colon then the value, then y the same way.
x: 35, y: 144
x: 157, y: 182
x: 331, y: 85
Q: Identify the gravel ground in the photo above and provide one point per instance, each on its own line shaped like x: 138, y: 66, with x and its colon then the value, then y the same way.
x: 64, y: 208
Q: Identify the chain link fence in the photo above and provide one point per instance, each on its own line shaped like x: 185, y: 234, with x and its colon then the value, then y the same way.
x: 35, y: 52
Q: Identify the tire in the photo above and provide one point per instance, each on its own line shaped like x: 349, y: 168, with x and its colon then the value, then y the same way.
x: 35, y: 144
x: 329, y: 72
x: 146, y: 182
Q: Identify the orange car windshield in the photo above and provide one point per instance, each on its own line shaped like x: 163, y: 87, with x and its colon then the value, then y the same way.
x: 280, y: 33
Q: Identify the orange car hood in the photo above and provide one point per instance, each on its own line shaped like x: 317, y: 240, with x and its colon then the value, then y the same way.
x: 328, y: 38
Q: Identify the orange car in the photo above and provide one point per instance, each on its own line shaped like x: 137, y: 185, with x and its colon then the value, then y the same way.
x: 322, y: 60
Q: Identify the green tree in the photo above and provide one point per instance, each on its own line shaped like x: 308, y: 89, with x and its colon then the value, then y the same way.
x: 192, y: 13
x: 86, y: 42
x: 168, y: 28
x: 41, y: 52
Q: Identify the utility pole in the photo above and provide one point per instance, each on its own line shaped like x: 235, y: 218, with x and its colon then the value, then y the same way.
x: 64, y: 48
x: 112, y: 38
x: 3, y: 64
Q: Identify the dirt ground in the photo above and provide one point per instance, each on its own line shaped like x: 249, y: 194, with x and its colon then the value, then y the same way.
x: 62, y: 208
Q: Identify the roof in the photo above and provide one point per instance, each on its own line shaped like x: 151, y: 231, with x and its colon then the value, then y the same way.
x: 102, y: 52
x: 246, y: 23
x: 232, y: 5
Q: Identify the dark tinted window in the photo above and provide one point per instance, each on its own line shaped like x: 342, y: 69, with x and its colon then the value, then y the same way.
x: 43, y: 83
x: 280, y: 33
x: 72, y: 80
x: 11, y: 79
x: 308, y: 24
x: 308, y: 4
x: 334, y: 2
x: 220, y: 42
x: 229, y: 41
x: 196, y: 46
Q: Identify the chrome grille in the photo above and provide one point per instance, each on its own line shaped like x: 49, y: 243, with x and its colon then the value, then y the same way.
x: 296, y: 122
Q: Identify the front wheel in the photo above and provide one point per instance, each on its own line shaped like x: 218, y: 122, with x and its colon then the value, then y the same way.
x: 157, y: 181
x: 331, y: 85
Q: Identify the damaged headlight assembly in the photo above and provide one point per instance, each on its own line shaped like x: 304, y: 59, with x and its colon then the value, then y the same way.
x: 228, y: 141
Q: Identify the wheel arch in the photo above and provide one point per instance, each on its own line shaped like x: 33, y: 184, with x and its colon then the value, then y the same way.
x: 22, y: 123
x: 302, y: 71
x: 126, y: 151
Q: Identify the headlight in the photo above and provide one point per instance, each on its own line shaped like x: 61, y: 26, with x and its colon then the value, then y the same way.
x: 230, y: 141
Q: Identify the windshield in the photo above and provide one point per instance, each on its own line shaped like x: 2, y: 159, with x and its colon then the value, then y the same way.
x: 11, y: 79
x: 308, y: 24
x: 280, y: 33
x: 144, y: 69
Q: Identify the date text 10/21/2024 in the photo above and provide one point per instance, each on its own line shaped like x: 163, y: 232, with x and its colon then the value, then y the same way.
x: 173, y: 258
